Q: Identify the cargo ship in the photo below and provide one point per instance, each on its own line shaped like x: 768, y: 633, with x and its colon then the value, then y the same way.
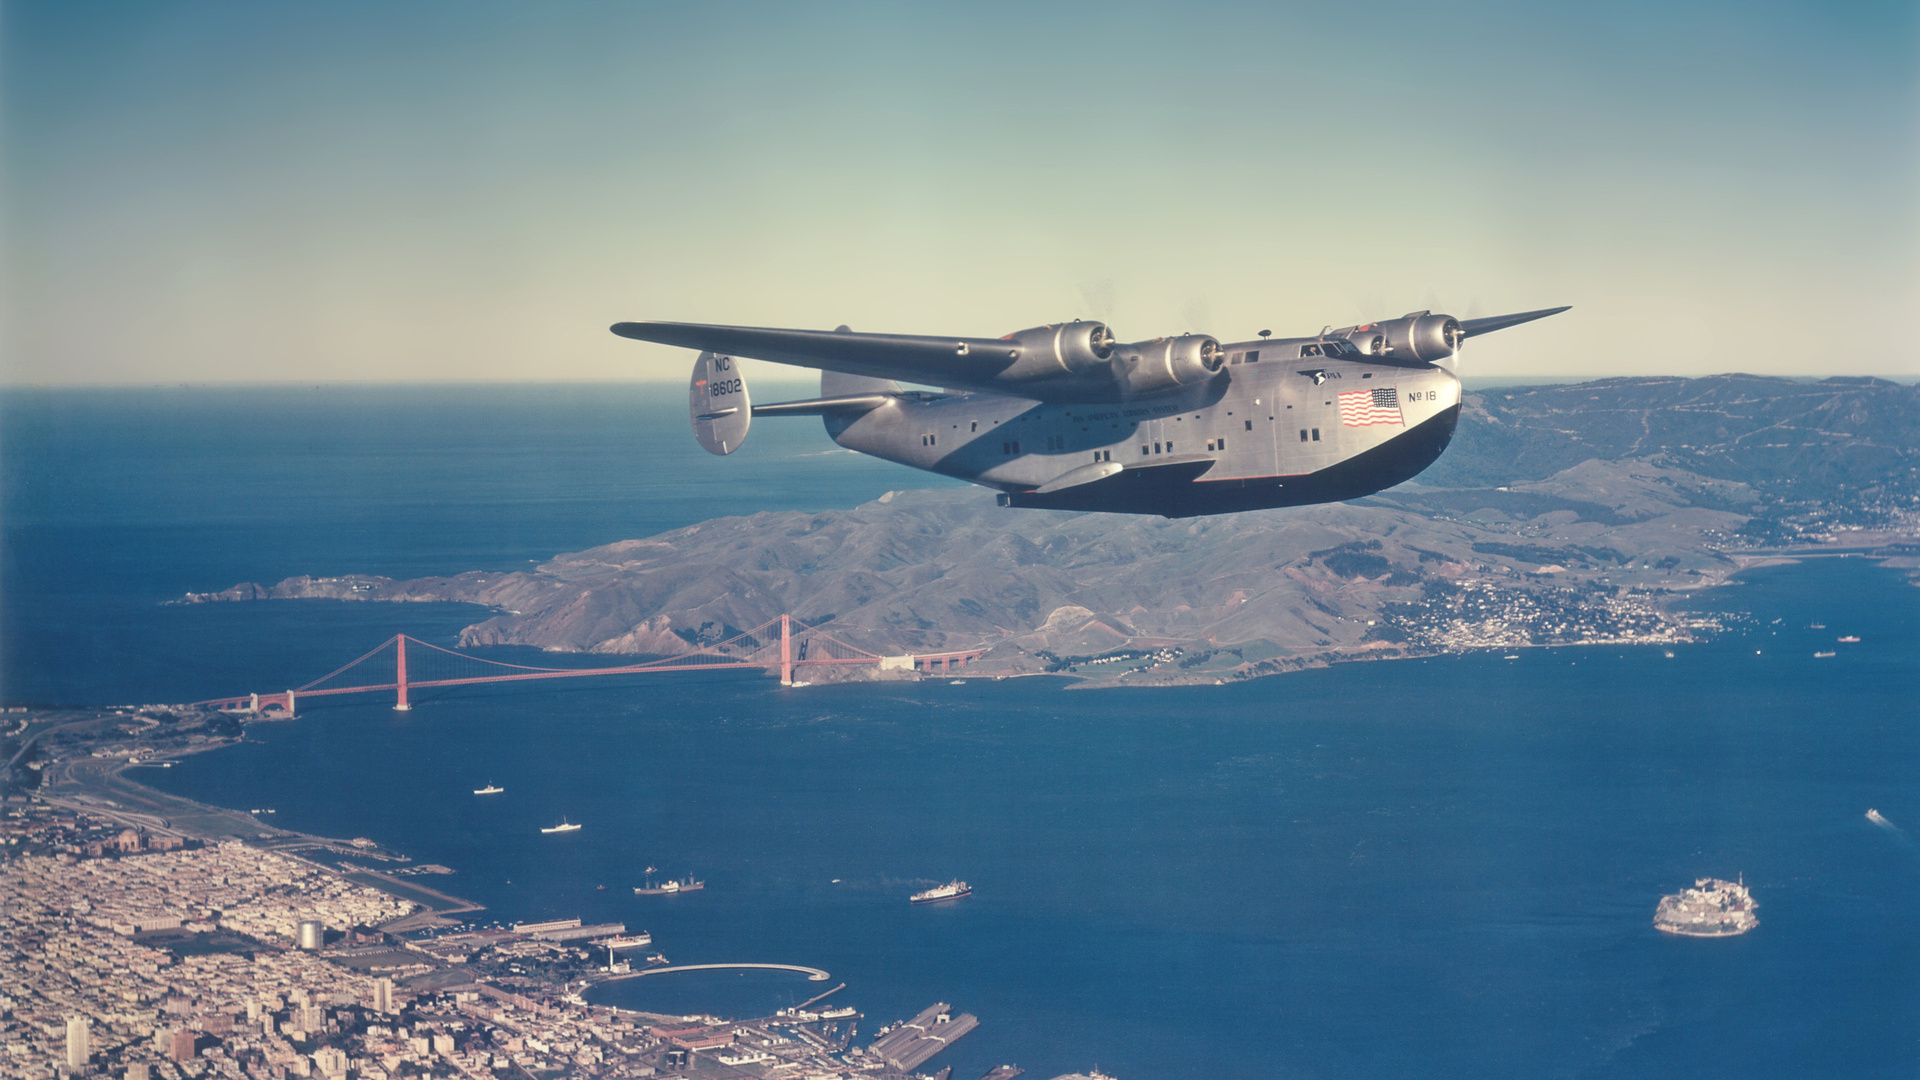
x: 630, y: 941
x: 564, y: 826
x: 669, y: 888
x: 952, y: 890
x: 488, y: 790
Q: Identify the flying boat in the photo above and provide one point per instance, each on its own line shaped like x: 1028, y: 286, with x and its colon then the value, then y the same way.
x: 1067, y: 417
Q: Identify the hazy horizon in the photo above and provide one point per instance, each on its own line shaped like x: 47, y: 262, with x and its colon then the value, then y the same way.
x: 805, y: 381
x: 222, y: 192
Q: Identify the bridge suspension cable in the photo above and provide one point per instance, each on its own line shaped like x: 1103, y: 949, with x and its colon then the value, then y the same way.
x: 780, y: 644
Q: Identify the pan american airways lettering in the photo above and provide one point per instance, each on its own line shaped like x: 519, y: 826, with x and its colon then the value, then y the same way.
x: 1381, y: 405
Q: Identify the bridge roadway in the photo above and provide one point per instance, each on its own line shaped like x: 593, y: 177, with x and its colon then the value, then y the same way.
x: 813, y: 974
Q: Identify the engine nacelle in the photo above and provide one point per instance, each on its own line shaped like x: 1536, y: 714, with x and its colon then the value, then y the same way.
x: 1371, y: 342
x: 1420, y: 336
x: 1049, y: 352
x: 1166, y: 363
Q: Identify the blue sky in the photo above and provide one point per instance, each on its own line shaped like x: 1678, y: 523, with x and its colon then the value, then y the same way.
x: 276, y: 192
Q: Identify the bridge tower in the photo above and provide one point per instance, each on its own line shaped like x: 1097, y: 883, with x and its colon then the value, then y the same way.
x: 786, y: 650
x: 400, y: 674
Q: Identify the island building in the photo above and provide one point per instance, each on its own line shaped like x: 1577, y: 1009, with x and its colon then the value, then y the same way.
x: 1712, y: 908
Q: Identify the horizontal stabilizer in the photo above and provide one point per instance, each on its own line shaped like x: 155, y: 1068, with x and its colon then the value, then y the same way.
x: 1471, y: 327
x: 823, y: 405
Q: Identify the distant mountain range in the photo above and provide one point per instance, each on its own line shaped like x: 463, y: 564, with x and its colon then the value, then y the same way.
x: 1810, y: 439
x: 1561, y: 514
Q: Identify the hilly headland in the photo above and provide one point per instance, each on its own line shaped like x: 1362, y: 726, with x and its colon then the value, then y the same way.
x: 1570, y: 514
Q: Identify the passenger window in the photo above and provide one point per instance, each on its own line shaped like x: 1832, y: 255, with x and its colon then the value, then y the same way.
x: 1223, y: 444
x: 1156, y: 448
x: 1016, y: 442
x: 975, y: 427
x: 1143, y: 449
x: 1253, y: 357
x: 1303, y: 434
x: 1249, y: 425
x: 1316, y: 437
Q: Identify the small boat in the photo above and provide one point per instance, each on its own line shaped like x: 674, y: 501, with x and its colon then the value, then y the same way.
x: 490, y: 789
x: 1850, y: 639
x: 669, y: 888
x: 1875, y: 817
x: 1823, y: 655
x: 1817, y: 626
x: 564, y: 826
x: 952, y: 890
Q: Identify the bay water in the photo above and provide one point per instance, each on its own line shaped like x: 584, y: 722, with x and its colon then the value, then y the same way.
x: 1420, y: 868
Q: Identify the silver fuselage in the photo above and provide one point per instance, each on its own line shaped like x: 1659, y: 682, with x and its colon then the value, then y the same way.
x: 1270, y: 418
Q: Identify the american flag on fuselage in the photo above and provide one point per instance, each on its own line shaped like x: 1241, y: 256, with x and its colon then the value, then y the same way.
x: 1381, y: 405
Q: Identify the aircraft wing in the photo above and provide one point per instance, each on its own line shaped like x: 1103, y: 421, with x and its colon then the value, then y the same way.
x: 1470, y: 327
x: 967, y: 363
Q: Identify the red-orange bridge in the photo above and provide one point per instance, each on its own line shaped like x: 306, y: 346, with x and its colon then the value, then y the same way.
x: 781, y: 645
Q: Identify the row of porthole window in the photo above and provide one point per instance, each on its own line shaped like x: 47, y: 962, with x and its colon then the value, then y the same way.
x: 1057, y: 442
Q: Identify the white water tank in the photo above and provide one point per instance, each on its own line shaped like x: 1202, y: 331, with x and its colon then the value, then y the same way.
x: 312, y: 936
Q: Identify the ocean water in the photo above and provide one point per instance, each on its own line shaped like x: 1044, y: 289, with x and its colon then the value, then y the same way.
x: 1409, y: 869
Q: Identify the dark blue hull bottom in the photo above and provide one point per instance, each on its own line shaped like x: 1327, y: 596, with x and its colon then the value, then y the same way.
x: 1177, y: 493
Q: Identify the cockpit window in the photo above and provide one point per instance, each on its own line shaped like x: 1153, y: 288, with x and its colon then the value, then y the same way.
x: 1309, y: 350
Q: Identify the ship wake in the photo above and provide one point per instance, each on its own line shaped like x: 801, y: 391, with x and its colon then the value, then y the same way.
x: 1900, y: 836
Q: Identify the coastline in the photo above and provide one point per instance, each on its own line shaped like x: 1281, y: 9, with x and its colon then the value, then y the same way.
x: 100, y: 787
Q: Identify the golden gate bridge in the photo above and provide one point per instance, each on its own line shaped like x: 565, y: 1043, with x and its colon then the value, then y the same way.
x: 782, y: 644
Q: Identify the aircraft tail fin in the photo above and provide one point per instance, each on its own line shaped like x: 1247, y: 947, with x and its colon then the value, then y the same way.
x: 717, y: 403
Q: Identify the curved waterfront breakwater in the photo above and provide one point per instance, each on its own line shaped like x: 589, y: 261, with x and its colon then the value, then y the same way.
x: 813, y: 974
